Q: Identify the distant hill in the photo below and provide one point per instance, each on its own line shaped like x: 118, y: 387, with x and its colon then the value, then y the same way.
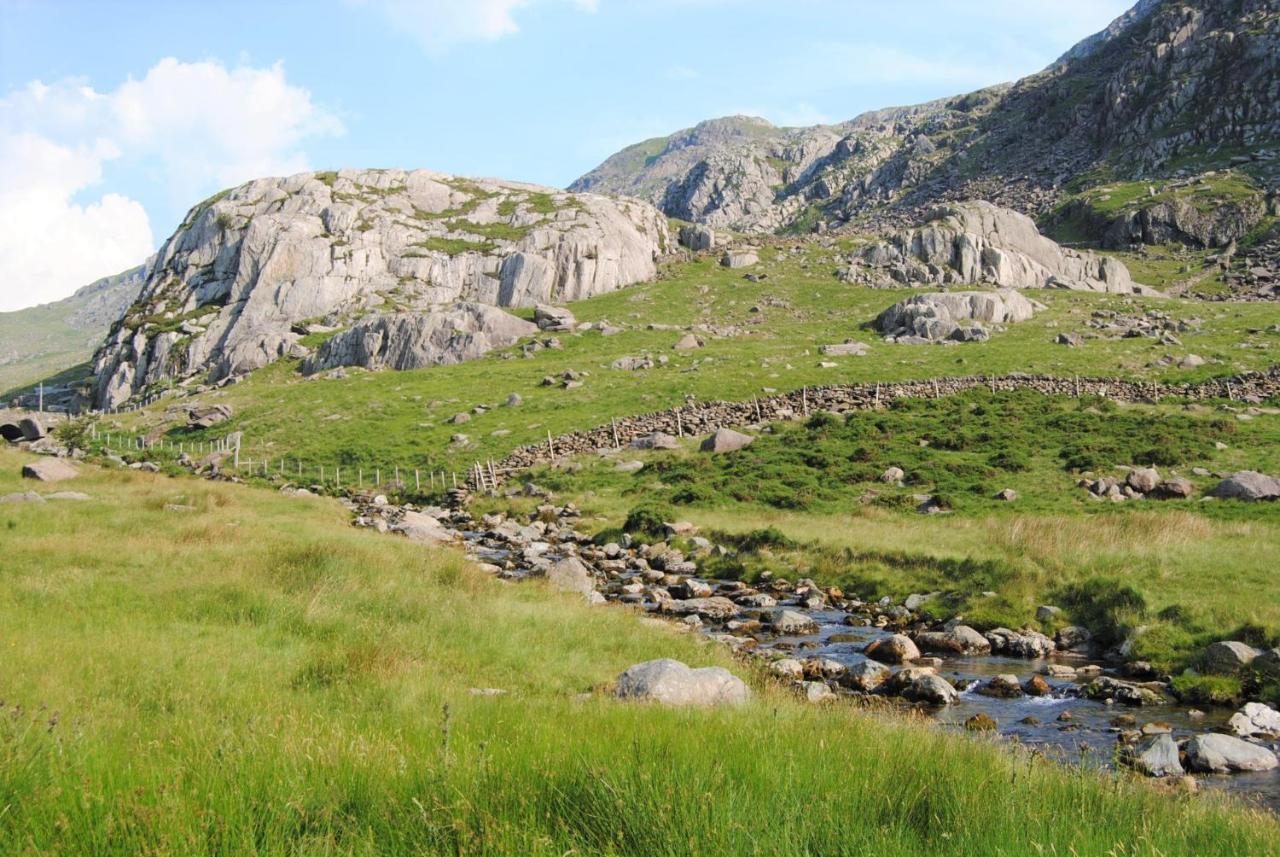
x: 1173, y: 89
x: 45, y: 340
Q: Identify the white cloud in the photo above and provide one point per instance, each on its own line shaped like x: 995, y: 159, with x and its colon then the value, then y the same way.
x: 193, y: 126
x: 440, y: 24
x: 49, y: 244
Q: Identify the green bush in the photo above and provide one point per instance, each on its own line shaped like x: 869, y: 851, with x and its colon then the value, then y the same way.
x: 647, y: 520
x: 1107, y: 607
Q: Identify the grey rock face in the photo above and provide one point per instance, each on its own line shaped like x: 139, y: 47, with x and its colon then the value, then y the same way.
x: 1222, y: 754
x: 671, y: 682
x: 953, y: 316
x: 415, y: 340
x: 248, y: 266
x: 977, y: 242
x: 1247, y: 485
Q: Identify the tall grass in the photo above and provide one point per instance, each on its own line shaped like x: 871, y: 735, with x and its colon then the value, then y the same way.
x: 256, y: 677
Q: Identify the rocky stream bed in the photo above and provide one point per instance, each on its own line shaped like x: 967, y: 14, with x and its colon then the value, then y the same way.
x: 1059, y: 696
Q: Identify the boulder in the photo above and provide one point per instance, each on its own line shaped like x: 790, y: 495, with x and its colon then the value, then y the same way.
x: 32, y: 429
x: 1173, y: 489
x: 207, y: 416
x: 792, y: 623
x: 688, y: 342
x: 1143, y: 479
x: 1020, y: 644
x: 1155, y: 756
x: 981, y: 723
x: 788, y: 668
x: 846, y: 349
x: 958, y: 640
x: 717, y: 608
x: 1255, y: 720
x: 553, y: 318
x: 1073, y: 638
x: 657, y: 440
x: 896, y: 649
x: 671, y: 682
x: 866, y: 675
x: 893, y: 476
x: 1247, y: 485
x: 1221, y: 754
x: 727, y: 440
x: 697, y: 238
x: 1228, y: 658
x: 50, y: 470
x: 1002, y: 687
x: 424, y: 529
x: 817, y: 692
x: 415, y: 340
x: 1126, y: 692
x: 1267, y: 664
x: 572, y: 575
x: 956, y: 316
x: 739, y: 259
x: 923, y: 684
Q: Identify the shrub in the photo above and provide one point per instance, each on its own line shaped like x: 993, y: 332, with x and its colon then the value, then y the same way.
x: 1104, y: 605
x: 647, y: 521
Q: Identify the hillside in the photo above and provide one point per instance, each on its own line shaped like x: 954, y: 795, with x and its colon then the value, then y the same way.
x: 1172, y: 90
x: 44, y: 340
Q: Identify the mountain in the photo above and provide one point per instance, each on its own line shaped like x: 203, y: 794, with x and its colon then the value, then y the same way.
x: 253, y: 271
x: 42, y: 340
x: 1172, y: 90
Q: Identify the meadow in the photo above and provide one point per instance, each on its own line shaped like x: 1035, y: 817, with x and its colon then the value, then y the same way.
x: 207, y: 668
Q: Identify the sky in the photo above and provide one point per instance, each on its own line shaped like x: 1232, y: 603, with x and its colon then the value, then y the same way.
x: 117, y: 116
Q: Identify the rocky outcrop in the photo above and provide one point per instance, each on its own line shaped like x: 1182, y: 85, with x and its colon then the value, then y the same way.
x: 977, y: 242
x: 250, y: 269
x: 1168, y: 88
x: 953, y: 316
x: 417, y: 340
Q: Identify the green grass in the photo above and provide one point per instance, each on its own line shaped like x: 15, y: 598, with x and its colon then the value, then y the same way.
x: 255, y: 676
x: 402, y: 416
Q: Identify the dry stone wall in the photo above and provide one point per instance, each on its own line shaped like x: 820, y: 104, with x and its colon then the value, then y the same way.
x: 699, y: 418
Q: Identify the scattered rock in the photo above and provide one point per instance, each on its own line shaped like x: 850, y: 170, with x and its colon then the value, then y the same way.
x: 1247, y: 485
x: 959, y: 640
x: 792, y: 623
x: 866, y: 675
x: 671, y: 682
x: 727, y: 440
x: 1255, y: 720
x: 896, y: 649
x: 1228, y: 658
x: 981, y: 723
x: 553, y: 318
x: 50, y: 470
x: 739, y: 259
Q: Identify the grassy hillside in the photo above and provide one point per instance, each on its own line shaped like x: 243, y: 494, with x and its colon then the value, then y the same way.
x: 766, y: 335
x: 43, y: 342
x: 242, y: 672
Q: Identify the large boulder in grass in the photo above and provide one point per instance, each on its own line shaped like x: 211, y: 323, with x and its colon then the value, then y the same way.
x: 671, y: 682
x: 727, y: 440
x: 572, y: 575
x: 50, y: 470
x: 1247, y: 485
x: 423, y: 529
x: 957, y: 316
x: 1224, y: 754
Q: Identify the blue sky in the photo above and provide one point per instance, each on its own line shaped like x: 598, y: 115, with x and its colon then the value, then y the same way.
x: 117, y: 115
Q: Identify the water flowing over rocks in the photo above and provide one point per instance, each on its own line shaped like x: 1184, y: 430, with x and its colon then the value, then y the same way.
x: 254, y: 269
